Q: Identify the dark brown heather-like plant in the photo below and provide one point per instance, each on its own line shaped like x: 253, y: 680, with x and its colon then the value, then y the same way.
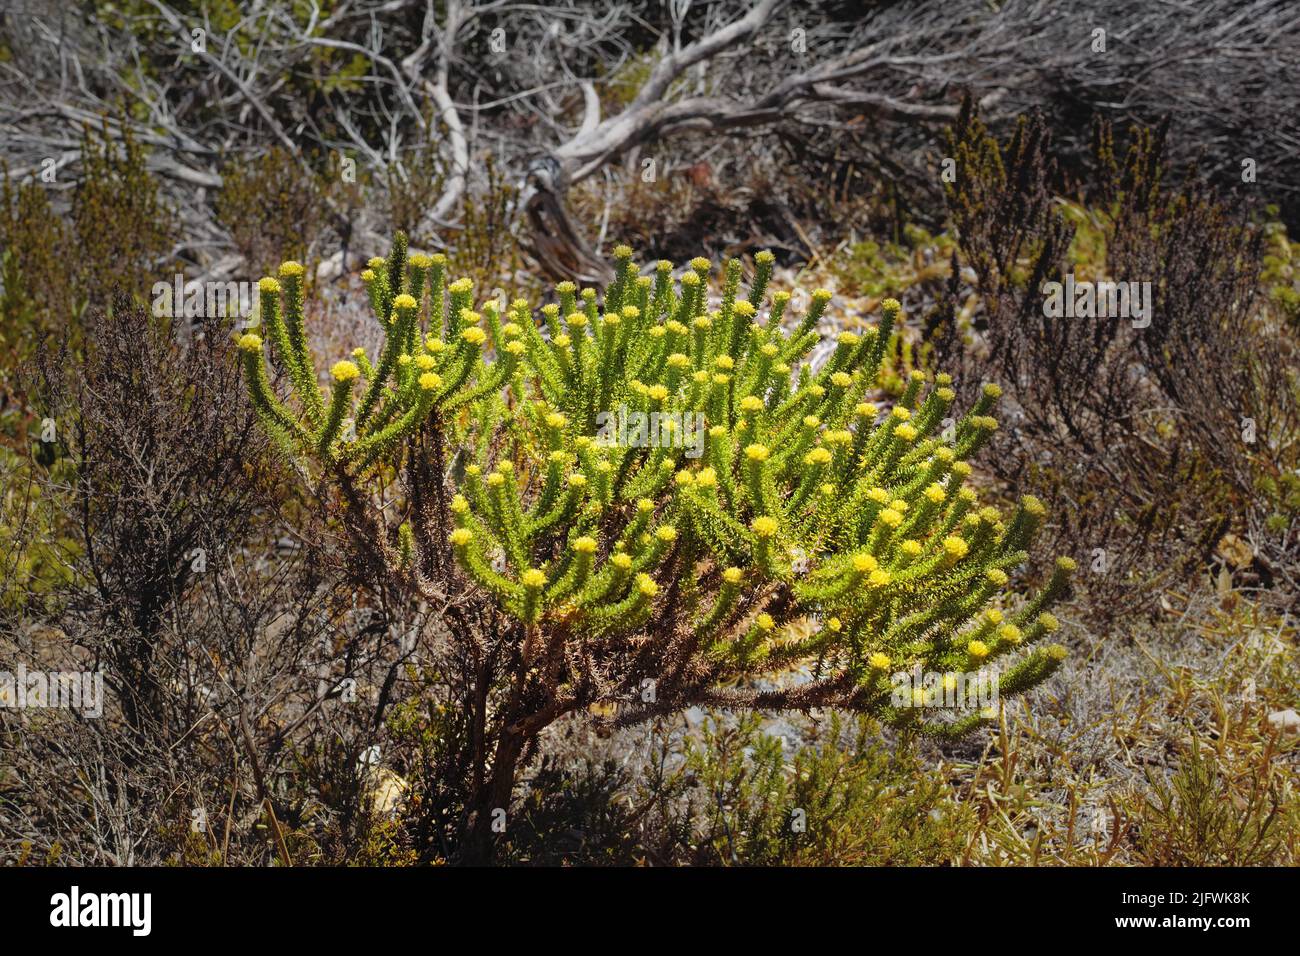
x: 1149, y: 438
x: 671, y: 559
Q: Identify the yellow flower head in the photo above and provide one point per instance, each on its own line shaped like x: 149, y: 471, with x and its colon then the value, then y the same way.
x: 818, y: 456
x: 890, y: 518
x: 901, y: 413
x: 978, y: 650
x: 291, y: 268
x: 849, y: 338
x: 911, y: 547
x: 841, y: 380
x: 658, y: 393
x: 249, y: 342
x: 268, y: 285
x: 996, y: 576
x: 577, y: 480
x: 879, y: 661
x: 757, y: 452
x: 879, y: 578
x: 679, y: 360
x: 751, y: 404
x: 666, y: 533
x: 935, y: 493
x: 684, y: 478
x: 461, y: 537
x: 474, y: 335
x: 425, y: 362
x: 765, y: 622
x: 646, y: 585
x: 864, y: 563
x: 404, y: 302
x: 532, y: 578
x: 906, y: 432
x: 1056, y: 652
x: 732, y: 575
x: 725, y: 362
x: 429, y: 381
x: 955, y: 547
x: 344, y: 371
x: 1010, y: 633
x: 764, y: 526
x: 621, y: 560
x: 879, y: 495
x: 707, y: 478
x: 866, y: 410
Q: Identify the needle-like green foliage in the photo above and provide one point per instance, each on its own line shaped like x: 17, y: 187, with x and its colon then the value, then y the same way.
x: 814, y: 531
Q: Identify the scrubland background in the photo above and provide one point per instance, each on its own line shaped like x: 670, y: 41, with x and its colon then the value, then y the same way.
x: 524, y: 141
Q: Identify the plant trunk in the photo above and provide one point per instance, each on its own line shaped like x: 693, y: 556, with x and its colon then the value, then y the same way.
x: 495, y: 794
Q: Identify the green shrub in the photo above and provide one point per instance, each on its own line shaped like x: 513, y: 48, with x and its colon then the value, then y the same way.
x: 838, y: 800
x: 805, y: 527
